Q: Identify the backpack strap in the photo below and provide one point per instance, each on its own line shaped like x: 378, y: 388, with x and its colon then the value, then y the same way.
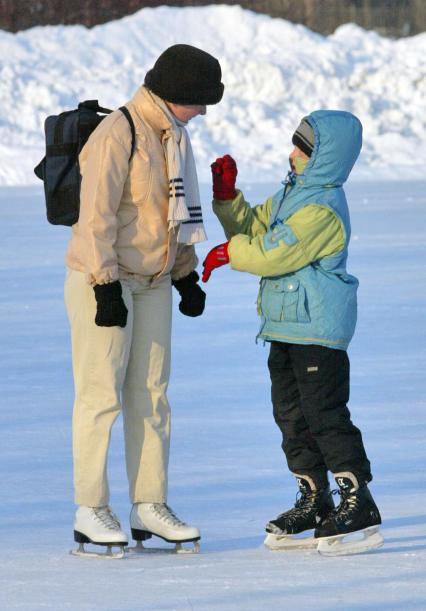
x: 128, y: 116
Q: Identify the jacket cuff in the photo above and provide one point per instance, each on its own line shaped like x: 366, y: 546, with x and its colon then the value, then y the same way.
x: 236, y: 248
x: 103, y: 277
x: 224, y: 202
x: 187, y: 281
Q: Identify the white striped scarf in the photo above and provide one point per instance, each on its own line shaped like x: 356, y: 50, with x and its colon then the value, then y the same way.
x: 184, y: 195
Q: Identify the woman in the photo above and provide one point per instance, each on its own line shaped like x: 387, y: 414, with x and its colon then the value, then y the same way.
x: 138, y: 223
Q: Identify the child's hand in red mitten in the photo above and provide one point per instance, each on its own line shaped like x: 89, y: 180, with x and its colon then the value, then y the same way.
x: 224, y: 173
x: 217, y: 257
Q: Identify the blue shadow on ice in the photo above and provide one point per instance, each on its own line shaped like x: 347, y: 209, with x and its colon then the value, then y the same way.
x: 232, y: 545
x: 404, y: 521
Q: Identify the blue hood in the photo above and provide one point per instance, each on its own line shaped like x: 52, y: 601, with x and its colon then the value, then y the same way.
x: 338, y: 141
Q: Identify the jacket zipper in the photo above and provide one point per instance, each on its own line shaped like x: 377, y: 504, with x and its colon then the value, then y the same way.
x: 262, y: 284
x: 288, y: 182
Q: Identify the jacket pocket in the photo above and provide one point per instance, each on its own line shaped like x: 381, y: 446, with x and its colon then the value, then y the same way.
x: 284, y: 299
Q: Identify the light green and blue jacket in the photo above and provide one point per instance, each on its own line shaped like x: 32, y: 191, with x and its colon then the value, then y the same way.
x: 298, y: 242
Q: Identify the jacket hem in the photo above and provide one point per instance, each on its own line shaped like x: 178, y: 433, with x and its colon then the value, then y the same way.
x: 337, y: 345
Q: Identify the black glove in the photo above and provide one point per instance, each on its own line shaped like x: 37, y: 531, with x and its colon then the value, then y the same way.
x: 193, y: 296
x: 111, y: 311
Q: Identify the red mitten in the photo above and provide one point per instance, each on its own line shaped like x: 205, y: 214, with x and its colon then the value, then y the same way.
x: 217, y: 257
x: 224, y: 172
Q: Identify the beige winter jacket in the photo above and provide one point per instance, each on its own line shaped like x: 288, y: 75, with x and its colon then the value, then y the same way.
x: 122, y: 229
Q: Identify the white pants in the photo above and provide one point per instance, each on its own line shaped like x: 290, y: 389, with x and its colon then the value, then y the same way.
x: 114, y: 368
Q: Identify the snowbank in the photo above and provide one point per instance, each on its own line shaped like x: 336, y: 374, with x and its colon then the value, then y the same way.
x: 274, y: 73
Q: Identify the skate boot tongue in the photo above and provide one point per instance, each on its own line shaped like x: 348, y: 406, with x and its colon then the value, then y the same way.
x: 347, y: 484
x: 303, y: 485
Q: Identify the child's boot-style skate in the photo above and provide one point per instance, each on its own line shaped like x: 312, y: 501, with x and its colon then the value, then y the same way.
x: 313, y: 505
x: 147, y: 519
x: 100, y: 526
x: 356, y: 513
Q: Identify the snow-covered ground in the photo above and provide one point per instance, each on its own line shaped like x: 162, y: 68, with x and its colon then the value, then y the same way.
x: 274, y: 72
x: 227, y: 472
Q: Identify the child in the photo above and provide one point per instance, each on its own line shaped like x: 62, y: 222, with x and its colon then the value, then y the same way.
x: 298, y: 243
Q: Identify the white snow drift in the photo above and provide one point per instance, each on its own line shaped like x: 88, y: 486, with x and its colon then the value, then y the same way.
x: 274, y: 73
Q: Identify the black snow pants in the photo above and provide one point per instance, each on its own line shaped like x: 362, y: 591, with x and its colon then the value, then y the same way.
x: 310, y: 390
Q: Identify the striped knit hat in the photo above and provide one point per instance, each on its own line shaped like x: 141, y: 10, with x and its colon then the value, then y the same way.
x: 304, y: 138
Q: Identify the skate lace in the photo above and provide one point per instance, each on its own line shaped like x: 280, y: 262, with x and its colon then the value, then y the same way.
x: 107, y: 517
x: 349, y: 503
x: 167, y: 515
x: 302, y: 507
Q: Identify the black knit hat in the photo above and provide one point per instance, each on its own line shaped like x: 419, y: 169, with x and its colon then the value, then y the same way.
x: 186, y: 75
x: 304, y: 137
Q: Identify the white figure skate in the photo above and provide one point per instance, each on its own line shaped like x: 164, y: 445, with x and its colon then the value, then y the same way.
x: 147, y: 519
x: 99, y: 526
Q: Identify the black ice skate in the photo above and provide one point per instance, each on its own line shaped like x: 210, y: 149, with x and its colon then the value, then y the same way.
x: 310, y: 509
x: 354, y: 526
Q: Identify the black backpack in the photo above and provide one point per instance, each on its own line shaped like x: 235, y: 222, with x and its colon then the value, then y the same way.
x: 66, y: 134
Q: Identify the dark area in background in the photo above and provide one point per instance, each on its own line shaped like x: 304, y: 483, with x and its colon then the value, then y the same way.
x: 389, y: 17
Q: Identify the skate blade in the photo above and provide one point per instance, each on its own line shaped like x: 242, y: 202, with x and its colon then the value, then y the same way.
x: 337, y: 546
x: 289, y: 542
x: 139, y: 548
x: 107, y: 555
